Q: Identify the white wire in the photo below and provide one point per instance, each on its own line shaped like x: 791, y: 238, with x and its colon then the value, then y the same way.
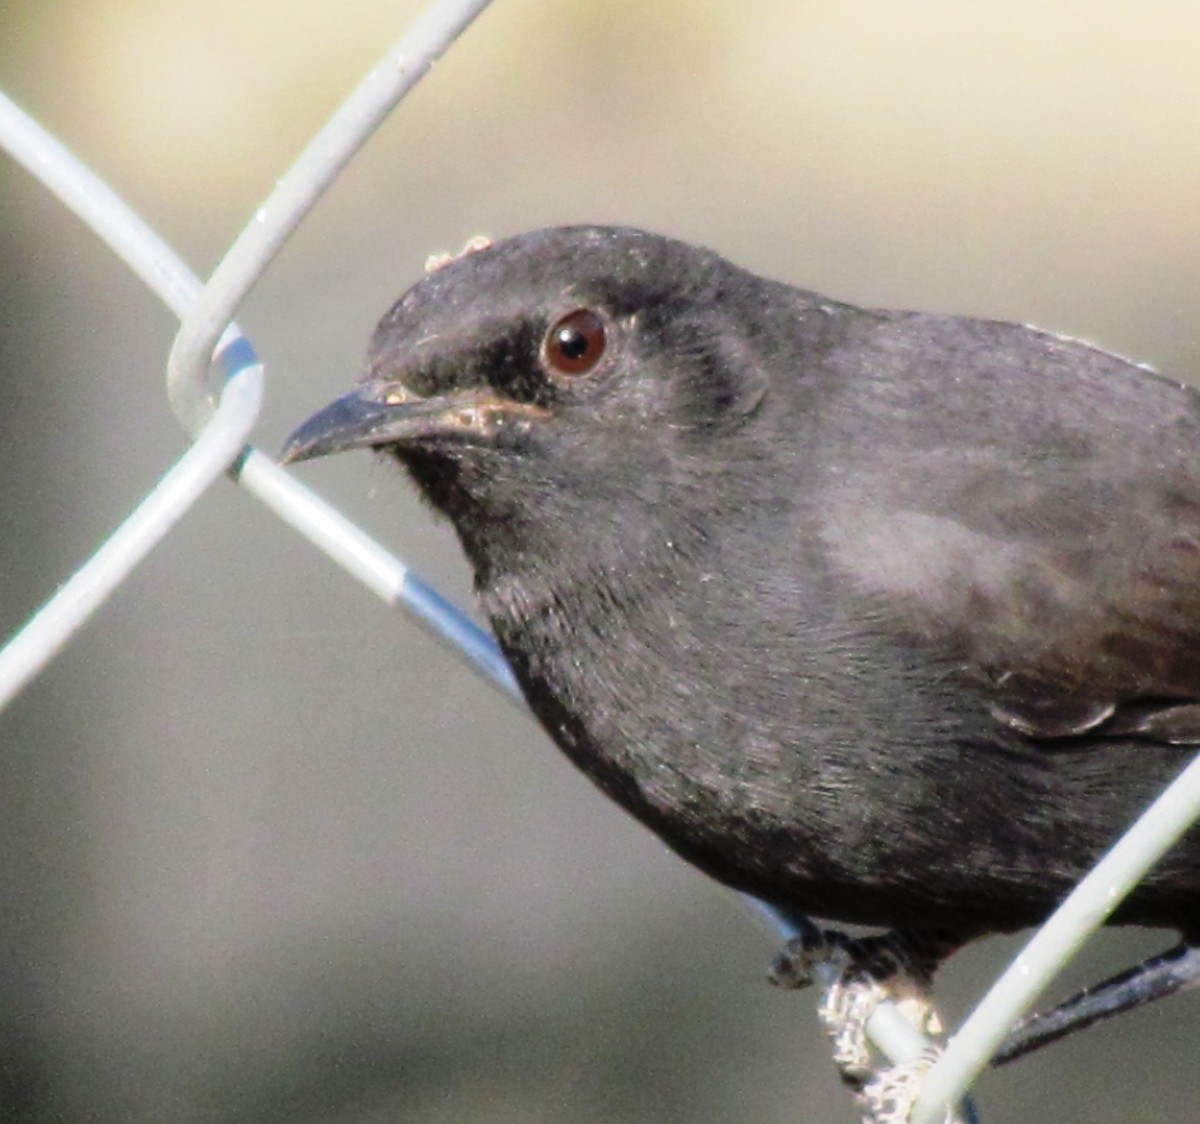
x: 44, y: 635
x: 221, y: 437
x: 297, y: 192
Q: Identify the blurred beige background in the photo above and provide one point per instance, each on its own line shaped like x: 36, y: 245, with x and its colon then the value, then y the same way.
x: 268, y: 854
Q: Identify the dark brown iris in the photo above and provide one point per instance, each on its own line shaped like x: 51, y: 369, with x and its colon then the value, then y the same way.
x: 575, y: 343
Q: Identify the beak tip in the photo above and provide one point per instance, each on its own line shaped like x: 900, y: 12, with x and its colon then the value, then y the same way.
x: 342, y: 424
x: 300, y: 446
x: 293, y: 452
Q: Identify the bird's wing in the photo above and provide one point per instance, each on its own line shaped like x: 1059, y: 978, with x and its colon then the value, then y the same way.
x: 1064, y: 633
x: 1053, y: 560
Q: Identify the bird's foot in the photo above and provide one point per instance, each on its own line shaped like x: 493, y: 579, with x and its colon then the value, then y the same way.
x: 844, y: 1011
x: 865, y: 972
x: 889, y: 1096
x: 869, y: 978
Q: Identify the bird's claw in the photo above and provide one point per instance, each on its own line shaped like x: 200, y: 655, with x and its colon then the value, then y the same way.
x: 889, y: 1096
x: 844, y: 1011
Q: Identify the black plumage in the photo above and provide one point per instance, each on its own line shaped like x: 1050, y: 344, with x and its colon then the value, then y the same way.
x: 887, y: 617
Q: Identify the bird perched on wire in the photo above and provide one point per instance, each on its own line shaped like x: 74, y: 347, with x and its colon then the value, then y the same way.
x: 887, y: 617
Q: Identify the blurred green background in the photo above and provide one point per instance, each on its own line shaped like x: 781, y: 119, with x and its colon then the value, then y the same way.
x: 268, y: 854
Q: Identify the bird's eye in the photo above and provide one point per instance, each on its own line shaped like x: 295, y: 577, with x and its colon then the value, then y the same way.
x: 575, y: 344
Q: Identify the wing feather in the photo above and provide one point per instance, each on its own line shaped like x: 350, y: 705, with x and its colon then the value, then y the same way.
x: 1054, y: 561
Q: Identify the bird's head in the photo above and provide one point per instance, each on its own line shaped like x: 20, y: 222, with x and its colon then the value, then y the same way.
x: 558, y: 373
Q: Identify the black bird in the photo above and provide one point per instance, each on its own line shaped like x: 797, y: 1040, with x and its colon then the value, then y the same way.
x: 888, y: 617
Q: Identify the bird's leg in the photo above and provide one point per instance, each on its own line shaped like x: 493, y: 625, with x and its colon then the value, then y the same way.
x: 795, y: 966
x: 848, y: 1001
x: 1161, y: 975
x: 897, y: 966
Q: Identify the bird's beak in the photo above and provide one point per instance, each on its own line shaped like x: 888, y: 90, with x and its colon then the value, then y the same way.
x: 388, y: 413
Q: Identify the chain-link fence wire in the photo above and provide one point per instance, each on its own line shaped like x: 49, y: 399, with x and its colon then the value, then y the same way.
x: 221, y: 418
